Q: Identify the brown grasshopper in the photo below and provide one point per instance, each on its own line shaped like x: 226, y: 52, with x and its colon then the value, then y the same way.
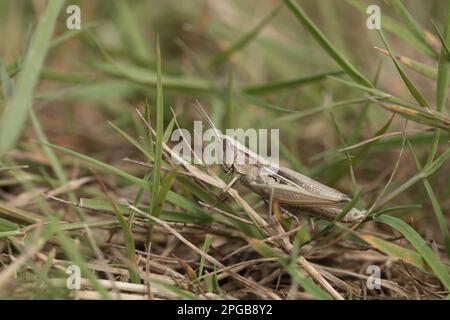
x: 292, y: 190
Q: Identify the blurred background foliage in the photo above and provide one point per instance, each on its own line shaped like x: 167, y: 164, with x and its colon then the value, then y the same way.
x: 251, y: 64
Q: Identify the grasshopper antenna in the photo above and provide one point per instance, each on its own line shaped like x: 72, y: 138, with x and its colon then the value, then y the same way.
x: 184, y: 138
x: 198, y: 107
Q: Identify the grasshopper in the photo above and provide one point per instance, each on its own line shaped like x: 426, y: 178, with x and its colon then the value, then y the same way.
x: 293, y: 191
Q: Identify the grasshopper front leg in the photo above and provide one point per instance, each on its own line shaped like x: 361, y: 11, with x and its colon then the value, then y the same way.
x: 223, y: 192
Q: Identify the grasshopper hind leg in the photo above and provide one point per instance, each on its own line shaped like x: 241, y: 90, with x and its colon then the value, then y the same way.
x: 330, y: 213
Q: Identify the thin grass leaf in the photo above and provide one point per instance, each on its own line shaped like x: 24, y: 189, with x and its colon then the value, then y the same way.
x: 394, y: 27
x: 340, y: 170
x: 443, y: 40
x: 69, y: 34
x: 18, y: 215
x: 443, y: 81
x: 130, y: 32
x: 244, y: 40
x: 297, y: 115
x: 435, y: 203
x: 133, y: 141
x: 15, y: 114
x: 421, y: 68
x: 428, y: 170
x: 165, y: 187
x: 297, y: 276
x: 6, y: 225
x: 143, y: 76
x: 130, y: 248
x: 421, y: 246
x: 351, y: 84
x: 168, y: 131
x: 156, y: 174
x: 206, y: 244
x: 8, y: 168
x: 396, y: 251
x: 56, y: 165
x: 106, y: 167
x: 197, y: 63
x: 326, y: 44
x: 7, y: 234
x: 260, y: 103
x: 173, y: 197
x: 277, y: 86
x: 51, y: 156
x: 427, y: 117
x: 349, y: 163
x: 78, y: 260
x: 362, y: 116
x: 172, y: 216
x: 409, y: 84
x: 410, y: 23
x: 149, y: 136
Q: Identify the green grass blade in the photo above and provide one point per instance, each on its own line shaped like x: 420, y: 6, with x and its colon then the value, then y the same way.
x: 340, y: 169
x: 443, y: 81
x: 276, y: 86
x: 78, y: 260
x: 352, y: 84
x: 291, y: 268
x: 56, y: 165
x: 419, y: 67
x: 409, y: 84
x: 245, y: 39
x: 156, y: 173
x: 410, y: 23
x: 130, y: 32
x: 206, y: 244
x: 51, y: 156
x: 432, y: 119
x: 133, y: 141
x: 15, y: 114
x: 395, y: 28
x: 6, y: 225
x: 396, y: 251
x: 444, y: 42
x: 172, y: 216
x: 246, y: 98
x: 421, y: 246
x: 428, y: 170
x: 130, y: 248
x: 165, y: 187
x: 106, y: 167
x: 363, y: 114
x: 326, y: 44
x: 435, y: 203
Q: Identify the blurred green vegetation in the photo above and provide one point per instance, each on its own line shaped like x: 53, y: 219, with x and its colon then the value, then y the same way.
x: 309, y: 68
